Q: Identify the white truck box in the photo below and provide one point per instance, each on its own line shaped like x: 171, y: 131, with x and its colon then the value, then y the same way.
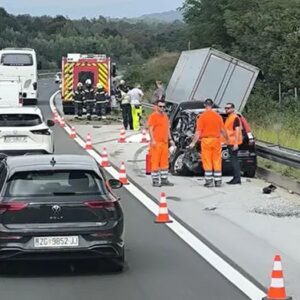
x: 10, y: 94
x: 209, y: 73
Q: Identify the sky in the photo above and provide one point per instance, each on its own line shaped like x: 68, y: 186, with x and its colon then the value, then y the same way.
x: 89, y: 8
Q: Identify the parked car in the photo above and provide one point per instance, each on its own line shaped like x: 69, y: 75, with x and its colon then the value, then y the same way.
x: 188, y: 162
x: 10, y: 94
x: 57, y: 78
x: 23, y: 130
x: 51, y: 208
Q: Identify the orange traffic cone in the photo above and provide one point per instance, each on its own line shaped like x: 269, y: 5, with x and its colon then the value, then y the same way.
x: 62, y: 123
x: 104, y: 156
x: 163, y: 213
x: 72, y: 134
x: 277, y: 289
x: 56, y: 118
x: 88, y: 143
x: 122, y: 138
x: 144, y: 137
x: 122, y: 174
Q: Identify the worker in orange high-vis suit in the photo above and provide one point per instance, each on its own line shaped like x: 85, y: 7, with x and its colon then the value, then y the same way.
x: 159, y: 129
x: 234, y: 131
x: 210, y: 128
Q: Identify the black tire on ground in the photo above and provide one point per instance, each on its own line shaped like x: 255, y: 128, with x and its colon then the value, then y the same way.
x: 177, y: 167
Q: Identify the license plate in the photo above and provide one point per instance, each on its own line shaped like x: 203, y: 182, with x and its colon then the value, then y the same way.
x: 15, y: 139
x: 56, y: 241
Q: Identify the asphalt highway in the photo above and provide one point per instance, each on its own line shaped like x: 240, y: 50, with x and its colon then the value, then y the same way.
x: 159, y: 265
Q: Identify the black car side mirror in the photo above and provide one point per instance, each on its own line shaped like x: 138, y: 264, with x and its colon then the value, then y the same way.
x: 115, y: 183
x: 50, y: 123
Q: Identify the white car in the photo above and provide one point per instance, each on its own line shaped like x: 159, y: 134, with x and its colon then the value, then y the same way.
x: 10, y: 94
x: 23, y: 130
x: 57, y: 78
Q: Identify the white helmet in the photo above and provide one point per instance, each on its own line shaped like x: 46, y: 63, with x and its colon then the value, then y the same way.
x: 88, y: 82
x: 122, y: 81
x: 79, y: 85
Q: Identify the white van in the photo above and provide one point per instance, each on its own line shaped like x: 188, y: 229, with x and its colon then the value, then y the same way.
x: 10, y: 94
x: 20, y: 64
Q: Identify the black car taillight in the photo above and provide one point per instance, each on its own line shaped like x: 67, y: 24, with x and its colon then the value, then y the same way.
x: 12, y: 206
x: 41, y: 132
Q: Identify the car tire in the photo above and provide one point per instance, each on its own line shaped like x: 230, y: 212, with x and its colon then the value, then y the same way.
x: 177, y: 167
x: 119, y: 264
x: 250, y: 173
x: 3, y: 267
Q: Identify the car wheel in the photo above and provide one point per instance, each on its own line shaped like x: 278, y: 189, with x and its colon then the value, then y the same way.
x: 178, y: 167
x: 3, y: 267
x: 250, y: 173
x: 119, y: 264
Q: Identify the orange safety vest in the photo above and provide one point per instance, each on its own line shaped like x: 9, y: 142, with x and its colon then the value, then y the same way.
x: 231, y: 132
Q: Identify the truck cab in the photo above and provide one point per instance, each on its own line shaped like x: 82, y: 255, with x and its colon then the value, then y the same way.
x: 80, y: 67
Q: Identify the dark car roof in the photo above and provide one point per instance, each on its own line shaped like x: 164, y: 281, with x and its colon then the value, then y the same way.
x: 46, y: 162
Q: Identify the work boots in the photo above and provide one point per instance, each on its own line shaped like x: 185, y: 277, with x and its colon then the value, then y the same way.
x: 166, y: 182
x: 155, y: 179
x: 209, y: 183
x: 156, y: 183
x: 218, y: 183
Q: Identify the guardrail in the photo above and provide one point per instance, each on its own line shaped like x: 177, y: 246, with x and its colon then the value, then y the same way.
x: 46, y: 73
x: 276, y: 153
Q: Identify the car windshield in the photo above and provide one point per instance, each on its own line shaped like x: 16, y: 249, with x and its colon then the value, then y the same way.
x: 11, y: 59
x: 19, y: 120
x: 54, y: 183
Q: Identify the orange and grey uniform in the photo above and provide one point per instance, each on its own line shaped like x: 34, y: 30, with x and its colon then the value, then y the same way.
x: 159, y: 125
x: 232, y: 124
x: 209, y: 127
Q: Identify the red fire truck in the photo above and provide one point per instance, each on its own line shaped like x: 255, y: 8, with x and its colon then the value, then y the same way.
x: 80, y: 67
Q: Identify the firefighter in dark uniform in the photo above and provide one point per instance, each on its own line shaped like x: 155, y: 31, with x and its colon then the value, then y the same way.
x: 78, y: 100
x: 101, y: 101
x: 125, y: 105
x: 89, y: 95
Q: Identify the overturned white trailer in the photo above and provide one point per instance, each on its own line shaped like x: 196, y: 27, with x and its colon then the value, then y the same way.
x: 209, y: 73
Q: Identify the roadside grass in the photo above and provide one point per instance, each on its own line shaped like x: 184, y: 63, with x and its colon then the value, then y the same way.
x: 279, y: 137
x: 279, y: 168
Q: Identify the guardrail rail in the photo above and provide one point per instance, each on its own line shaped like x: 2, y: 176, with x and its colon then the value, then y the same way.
x: 276, y: 153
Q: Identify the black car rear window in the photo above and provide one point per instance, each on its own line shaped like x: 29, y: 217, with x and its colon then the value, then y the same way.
x: 52, y: 183
x: 19, y: 120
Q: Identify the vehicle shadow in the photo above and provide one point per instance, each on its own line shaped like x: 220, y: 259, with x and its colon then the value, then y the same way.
x: 31, y: 269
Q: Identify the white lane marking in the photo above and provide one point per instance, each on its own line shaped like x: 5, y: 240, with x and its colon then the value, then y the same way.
x: 231, y: 274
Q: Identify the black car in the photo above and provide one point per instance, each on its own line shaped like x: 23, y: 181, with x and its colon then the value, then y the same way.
x: 59, y: 207
x: 188, y: 162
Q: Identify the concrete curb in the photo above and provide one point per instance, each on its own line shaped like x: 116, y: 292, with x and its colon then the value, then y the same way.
x: 285, y: 182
